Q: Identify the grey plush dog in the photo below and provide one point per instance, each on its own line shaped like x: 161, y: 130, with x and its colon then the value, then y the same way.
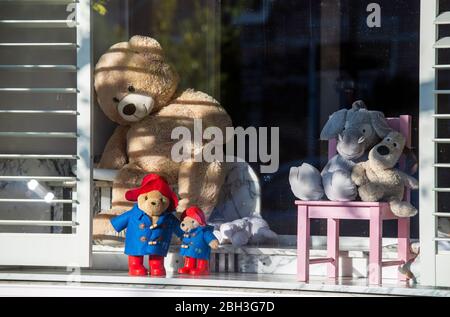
x: 357, y: 130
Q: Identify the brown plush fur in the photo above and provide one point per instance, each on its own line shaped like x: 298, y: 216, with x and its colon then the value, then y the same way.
x: 377, y: 180
x: 153, y: 204
x: 142, y: 147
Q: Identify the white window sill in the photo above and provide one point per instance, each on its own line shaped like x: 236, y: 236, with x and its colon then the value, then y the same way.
x: 112, y: 283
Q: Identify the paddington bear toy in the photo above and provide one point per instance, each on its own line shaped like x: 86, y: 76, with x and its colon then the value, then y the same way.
x: 198, y: 239
x: 150, y: 225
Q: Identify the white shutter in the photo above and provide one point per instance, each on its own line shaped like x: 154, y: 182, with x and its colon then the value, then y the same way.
x: 45, y: 118
x: 434, y: 261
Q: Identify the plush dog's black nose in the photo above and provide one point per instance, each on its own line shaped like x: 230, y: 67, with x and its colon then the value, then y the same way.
x: 383, y: 150
x: 129, y: 109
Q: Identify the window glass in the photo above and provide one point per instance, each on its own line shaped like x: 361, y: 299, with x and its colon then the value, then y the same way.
x: 282, y: 63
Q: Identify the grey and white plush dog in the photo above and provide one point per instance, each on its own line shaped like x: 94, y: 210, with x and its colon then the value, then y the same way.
x: 357, y: 130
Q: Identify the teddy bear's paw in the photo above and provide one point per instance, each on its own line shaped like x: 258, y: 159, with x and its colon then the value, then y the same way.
x: 370, y: 192
x: 403, y: 209
x: 306, y: 182
x: 102, y: 225
x: 214, y: 244
x: 358, y: 176
x: 104, y: 233
x: 183, y: 204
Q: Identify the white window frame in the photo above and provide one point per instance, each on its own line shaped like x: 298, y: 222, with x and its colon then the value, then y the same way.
x: 434, y: 264
x: 76, y: 249
x: 70, y: 249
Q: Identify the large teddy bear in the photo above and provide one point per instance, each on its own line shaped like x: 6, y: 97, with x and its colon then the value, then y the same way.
x: 137, y: 89
x: 378, y: 180
x: 356, y: 130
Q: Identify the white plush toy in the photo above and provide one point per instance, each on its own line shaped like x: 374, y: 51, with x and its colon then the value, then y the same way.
x: 253, y: 230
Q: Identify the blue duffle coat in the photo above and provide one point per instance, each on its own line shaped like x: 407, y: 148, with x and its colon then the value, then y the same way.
x: 142, y: 236
x: 195, y: 243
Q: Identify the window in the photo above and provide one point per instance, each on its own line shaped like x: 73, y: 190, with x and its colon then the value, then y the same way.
x: 288, y: 64
x: 271, y: 63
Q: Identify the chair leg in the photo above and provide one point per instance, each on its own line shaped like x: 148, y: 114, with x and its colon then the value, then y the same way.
x: 376, y: 234
x: 333, y: 247
x: 403, y: 243
x: 303, y: 239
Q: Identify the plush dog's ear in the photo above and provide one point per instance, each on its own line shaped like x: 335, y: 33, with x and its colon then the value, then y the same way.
x: 334, y: 125
x: 379, y: 124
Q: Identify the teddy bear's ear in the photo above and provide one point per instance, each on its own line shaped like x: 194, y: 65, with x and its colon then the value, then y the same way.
x: 147, y: 45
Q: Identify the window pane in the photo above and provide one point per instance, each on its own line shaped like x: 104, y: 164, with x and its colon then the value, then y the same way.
x: 290, y: 64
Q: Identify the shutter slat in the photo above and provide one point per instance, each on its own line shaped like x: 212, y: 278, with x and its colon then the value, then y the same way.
x: 38, y: 156
x: 441, y: 116
x: 41, y: 90
x: 444, y: 165
x: 52, y: 112
x: 443, y: 18
x: 38, y: 23
x: 441, y: 92
x: 442, y: 43
x: 441, y: 239
x: 53, y: 201
x: 442, y: 214
x: 53, y: 45
x: 442, y: 189
x: 43, y: 223
x: 441, y: 140
x: 38, y: 178
x: 67, y: 135
x: 39, y: 1
x: 69, y: 68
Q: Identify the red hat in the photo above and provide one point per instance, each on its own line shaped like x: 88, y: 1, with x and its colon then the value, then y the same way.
x: 153, y: 182
x: 195, y: 213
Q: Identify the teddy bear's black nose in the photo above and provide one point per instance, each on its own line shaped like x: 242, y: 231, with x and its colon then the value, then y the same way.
x: 129, y: 109
x: 182, y: 224
x: 153, y: 203
x: 383, y: 150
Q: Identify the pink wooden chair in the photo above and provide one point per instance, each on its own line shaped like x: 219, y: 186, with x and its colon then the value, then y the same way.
x: 333, y: 211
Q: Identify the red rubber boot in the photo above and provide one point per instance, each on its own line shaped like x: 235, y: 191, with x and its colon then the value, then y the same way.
x: 189, y: 264
x: 136, y: 266
x: 202, y: 268
x: 156, y: 264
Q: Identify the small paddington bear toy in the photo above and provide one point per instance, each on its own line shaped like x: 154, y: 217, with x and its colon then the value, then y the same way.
x: 198, y: 239
x: 150, y: 225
